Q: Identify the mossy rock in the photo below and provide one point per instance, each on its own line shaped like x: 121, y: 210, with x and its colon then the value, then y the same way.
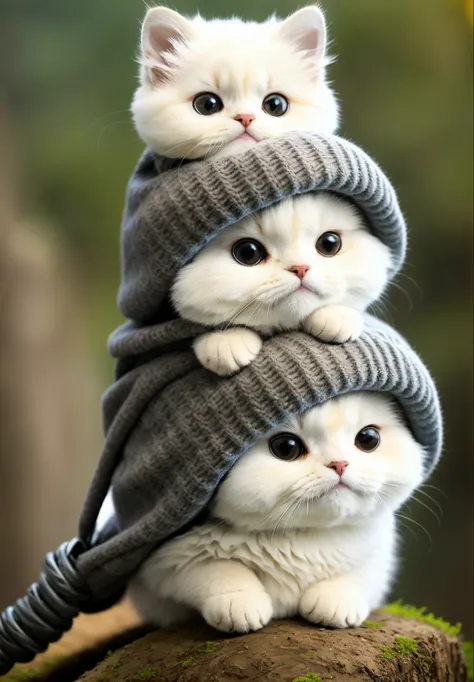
x: 389, y: 647
x: 399, y: 643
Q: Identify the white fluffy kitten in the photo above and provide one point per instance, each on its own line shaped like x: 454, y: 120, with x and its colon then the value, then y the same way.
x: 220, y: 86
x: 306, y: 262
x: 303, y: 524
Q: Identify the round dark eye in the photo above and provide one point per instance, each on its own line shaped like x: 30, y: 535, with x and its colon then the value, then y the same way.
x: 288, y: 447
x: 275, y: 105
x: 329, y: 244
x: 248, y: 252
x: 207, y: 104
x: 368, y: 439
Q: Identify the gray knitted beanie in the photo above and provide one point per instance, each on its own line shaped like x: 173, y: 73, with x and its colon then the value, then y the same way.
x: 173, y: 429
x: 173, y: 209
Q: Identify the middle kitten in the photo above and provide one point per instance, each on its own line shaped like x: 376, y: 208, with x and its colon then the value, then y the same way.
x: 308, y: 262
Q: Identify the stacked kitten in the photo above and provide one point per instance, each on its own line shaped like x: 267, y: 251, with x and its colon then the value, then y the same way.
x: 218, y: 88
x: 305, y: 521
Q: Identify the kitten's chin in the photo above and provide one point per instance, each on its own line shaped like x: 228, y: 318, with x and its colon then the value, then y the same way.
x: 287, y: 313
x: 339, y: 505
x: 334, y: 507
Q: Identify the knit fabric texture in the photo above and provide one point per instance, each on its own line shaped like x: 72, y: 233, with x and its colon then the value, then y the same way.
x: 174, y: 429
x: 174, y: 208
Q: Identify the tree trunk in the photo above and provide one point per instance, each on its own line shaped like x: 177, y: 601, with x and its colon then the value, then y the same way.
x: 387, y: 649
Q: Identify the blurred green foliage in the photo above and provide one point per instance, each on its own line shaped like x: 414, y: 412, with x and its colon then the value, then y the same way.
x: 404, y: 76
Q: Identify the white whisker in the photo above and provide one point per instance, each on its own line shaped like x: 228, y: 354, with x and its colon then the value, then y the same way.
x: 419, y: 525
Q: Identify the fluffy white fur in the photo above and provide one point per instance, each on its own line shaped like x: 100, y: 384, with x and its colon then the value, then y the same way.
x: 214, y: 289
x: 294, y: 537
x: 242, y: 63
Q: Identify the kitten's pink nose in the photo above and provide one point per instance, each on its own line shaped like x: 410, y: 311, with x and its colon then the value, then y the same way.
x: 339, y: 467
x: 245, y: 119
x: 299, y: 270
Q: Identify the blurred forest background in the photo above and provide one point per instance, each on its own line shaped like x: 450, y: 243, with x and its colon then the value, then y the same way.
x: 67, y: 73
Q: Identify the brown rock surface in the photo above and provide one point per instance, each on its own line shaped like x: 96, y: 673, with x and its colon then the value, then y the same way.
x: 289, y: 651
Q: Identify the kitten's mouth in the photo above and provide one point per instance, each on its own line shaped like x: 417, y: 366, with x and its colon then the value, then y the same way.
x: 329, y: 488
x: 309, y: 289
x: 246, y: 136
x: 337, y: 488
x: 341, y: 486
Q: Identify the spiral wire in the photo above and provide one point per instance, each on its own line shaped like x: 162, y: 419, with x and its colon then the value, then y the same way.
x: 48, y: 608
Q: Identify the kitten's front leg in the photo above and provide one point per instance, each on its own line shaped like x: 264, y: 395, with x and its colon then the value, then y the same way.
x: 335, y: 604
x: 335, y: 324
x: 229, y: 596
x: 225, y: 352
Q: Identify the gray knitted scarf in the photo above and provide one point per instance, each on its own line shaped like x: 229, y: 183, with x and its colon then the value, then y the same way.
x: 173, y: 429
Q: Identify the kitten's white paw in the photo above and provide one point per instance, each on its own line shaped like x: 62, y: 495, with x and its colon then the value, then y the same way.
x: 227, y: 351
x: 238, y: 611
x: 335, y: 324
x: 333, y: 605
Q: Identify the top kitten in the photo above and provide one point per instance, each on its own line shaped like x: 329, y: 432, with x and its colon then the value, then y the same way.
x: 214, y: 88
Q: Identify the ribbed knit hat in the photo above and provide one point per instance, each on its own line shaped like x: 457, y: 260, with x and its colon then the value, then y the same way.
x: 173, y: 429
x: 173, y: 209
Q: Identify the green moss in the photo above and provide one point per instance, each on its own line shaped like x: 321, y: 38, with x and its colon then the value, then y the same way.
x: 207, y: 648
x: 145, y: 674
x: 107, y: 674
x: 404, y: 646
x: 399, y: 609
x: 200, y: 651
x: 309, y: 677
x: 387, y: 653
x: 309, y: 654
x: 467, y: 647
x: 188, y: 662
x: 371, y: 624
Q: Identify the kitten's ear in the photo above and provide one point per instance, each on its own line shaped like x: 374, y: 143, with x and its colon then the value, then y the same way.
x: 162, y: 29
x: 306, y: 29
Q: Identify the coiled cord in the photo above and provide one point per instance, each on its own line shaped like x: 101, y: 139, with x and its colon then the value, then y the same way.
x: 48, y: 608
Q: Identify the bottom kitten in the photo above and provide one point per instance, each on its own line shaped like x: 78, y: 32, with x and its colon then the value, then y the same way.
x: 303, y: 524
